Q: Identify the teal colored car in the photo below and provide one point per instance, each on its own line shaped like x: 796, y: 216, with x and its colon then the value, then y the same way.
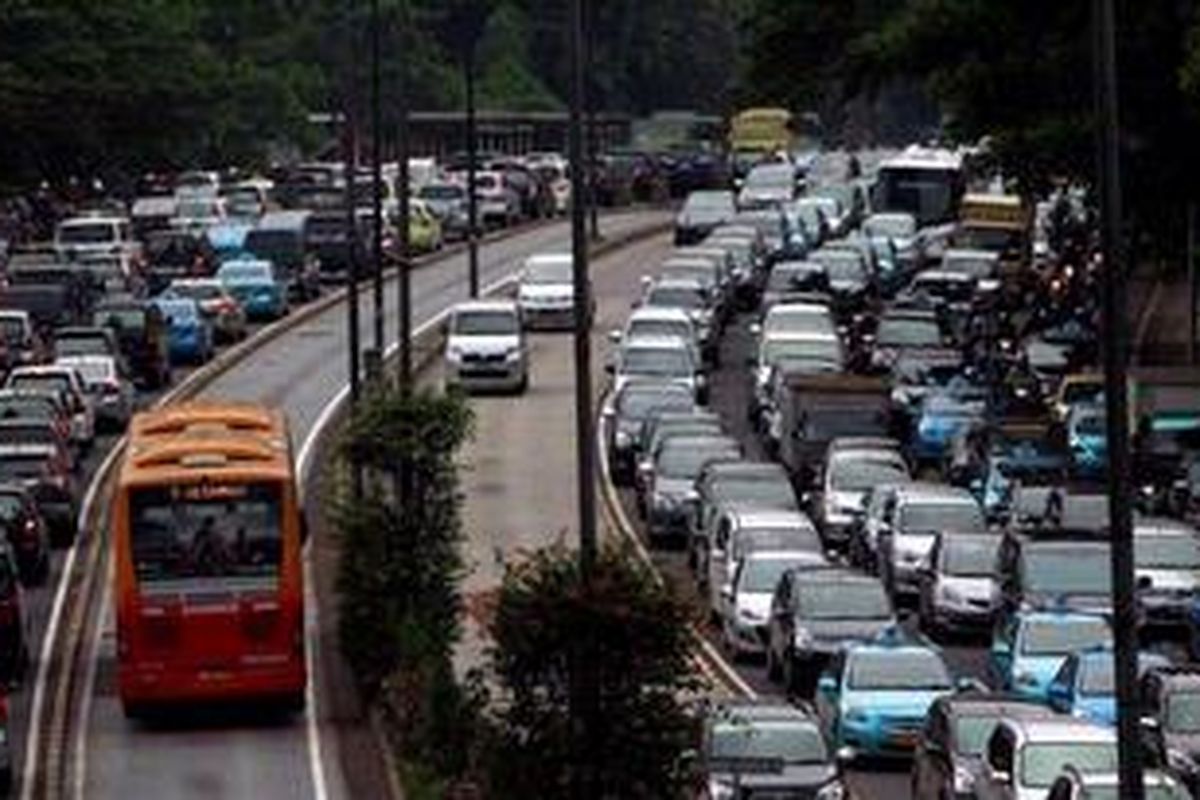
x: 1030, y: 647
x: 1085, y: 686
x: 254, y: 283
x: 228, y: 240
x: 873, y: 697
x: 1087, y: 441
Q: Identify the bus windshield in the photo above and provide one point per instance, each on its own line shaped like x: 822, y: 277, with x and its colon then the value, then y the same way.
x: 184, y: 534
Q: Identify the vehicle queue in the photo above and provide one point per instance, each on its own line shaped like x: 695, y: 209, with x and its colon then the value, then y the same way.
x: 905, y: 457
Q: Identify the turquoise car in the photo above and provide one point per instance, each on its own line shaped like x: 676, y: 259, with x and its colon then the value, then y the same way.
x: 256, y: 286
x: 1085, y: 685
x: 1030, y: 647
x: 1087, y: 441
x: 873, y: 697
x: 228, y: 240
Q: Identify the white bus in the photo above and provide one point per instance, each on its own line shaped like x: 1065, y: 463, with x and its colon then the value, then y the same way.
x: 925, y: 182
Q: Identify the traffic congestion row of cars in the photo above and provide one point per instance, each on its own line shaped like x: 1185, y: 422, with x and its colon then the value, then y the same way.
x: 875, y: 445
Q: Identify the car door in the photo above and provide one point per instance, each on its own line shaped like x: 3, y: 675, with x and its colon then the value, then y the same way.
x: 997, y: 780
x: 779, y: 627
x: 720, y: 555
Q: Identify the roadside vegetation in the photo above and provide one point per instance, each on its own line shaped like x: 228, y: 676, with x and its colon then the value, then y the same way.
x: 516, y: 728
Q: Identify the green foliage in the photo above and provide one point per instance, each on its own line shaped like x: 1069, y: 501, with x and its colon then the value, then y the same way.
x: 398, y: 581
x: 633, y: 635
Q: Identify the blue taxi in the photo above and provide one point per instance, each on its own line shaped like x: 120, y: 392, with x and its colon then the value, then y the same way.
x: 1029, y: 648
x: 1085, y: 686
x: 255, y: 284
x: 873, y: 697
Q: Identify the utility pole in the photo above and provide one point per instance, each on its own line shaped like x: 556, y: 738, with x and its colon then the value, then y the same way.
x: 1115, y: 338
x: 376, y: 182
x: 583, y: 683
x: 403, y: 280
x: 349, y: 161
x: 589, y: 43
x: 472, y: 201
x: 1192, y: 283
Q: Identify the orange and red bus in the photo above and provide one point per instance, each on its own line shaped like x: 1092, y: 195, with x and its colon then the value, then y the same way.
x: 207, y: 532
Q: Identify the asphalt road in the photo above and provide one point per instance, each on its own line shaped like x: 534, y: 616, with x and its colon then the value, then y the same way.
x: 301, y: 371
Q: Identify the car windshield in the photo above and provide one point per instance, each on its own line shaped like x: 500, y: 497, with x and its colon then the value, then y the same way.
x: 842, y: 265
x: 908, y: 332
x: 971, y: 733
x: 891, y: 226
x: 1098, y: 678
x: 898, y: 669
x: 862, y: 474
x: 81, y: 345
x: 794, y: 743
x: 843, y: 600
x: 204, y: 531
x: 21, y: 466
x: 761, y: 491
x: 964, y: 517
x: 660, y: 361
x: 1082, y: 392
x: 641, y: 403
x: 1067, y: 570
x: 26, y: 407
x: 783, y: 280
x: 684, y: 458
x: 761, y: 575
x: 278, y: 246
x: 486, y: 323
x: 230, y: 272
x: 38, y: 381
x: 179, y: 311
x: 544, y: 272
x: 713, y: 202
x: 1060, y: 637
x: 1042, y: 762
x: 1183, y: 712
x: 94, y: 370
x: 196, y: 209
x: 1167, y: 552
x: 776, y: 350
x: 196, y: 291
x: 659, y: 327
x: 442, y: 191
x: 777, y: 176
x: 87, y: 233
x: 969, y: 557
x: 675, y: 297
x: 824, y: 424
x: 133, y: 319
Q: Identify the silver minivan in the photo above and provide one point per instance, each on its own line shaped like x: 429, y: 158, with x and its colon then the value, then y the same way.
x: 486, y: 347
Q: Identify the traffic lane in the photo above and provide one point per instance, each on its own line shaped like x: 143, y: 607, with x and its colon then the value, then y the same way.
x: 305, y: 368
x: 518, y: 472
x: 301, y: 370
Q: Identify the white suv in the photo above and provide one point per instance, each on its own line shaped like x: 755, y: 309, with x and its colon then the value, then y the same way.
x: 486, y: 347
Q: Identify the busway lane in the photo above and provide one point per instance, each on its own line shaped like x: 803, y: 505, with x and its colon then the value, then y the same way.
x: 301, y: 371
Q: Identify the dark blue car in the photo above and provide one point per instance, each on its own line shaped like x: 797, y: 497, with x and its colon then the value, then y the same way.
x: 189, y: 333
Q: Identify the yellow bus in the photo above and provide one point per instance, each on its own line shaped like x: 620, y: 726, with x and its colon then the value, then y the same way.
x: 760, y: 130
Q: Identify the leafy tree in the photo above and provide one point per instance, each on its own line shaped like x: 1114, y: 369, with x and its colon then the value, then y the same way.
x: 399, y: 603
x: 632, y: 635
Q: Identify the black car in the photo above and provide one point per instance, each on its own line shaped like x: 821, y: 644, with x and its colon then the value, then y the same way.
x: 954, y: 737
x: 816, y: 614
x: 633, y: 405
x: 701, y: 213
x: 141, y: 333
x: 26, y: 531
x: 766, y: 749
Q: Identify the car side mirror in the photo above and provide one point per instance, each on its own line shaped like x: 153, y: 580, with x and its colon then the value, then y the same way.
x: 844, y: 757
x: 727, y: 592
x: 756, y: 329
x: 614, y: 336
x: 1149, y: 724
x: 647, y: 281
x: 827, y: 684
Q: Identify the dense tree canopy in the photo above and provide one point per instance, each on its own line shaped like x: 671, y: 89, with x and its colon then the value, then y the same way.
x: 117, y: 87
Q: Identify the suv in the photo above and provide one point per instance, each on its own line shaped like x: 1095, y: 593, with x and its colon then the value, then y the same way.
x: 817, y: 614
x: 1024, y: 757
x: 486, y: 347
x: 955, y: 736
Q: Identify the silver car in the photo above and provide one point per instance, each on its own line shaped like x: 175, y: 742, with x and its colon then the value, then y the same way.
x: 546, y: 291
x: 958, y: 589
x: 486, y: 347
x: 110, y: 390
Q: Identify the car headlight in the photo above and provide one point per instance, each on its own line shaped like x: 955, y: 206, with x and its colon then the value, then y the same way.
x: 720, y: 791
x: 832, y: 791
x: 857, y: 715
x: 802, y: 639
x: 513, y: 353
x: 624, y: 440
x: 950, y: 595
x: 964, y: 781
x: 453, y: 353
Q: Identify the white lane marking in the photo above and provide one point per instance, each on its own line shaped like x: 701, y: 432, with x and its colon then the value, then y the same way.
x: 85, y: 704
x: 33, y: 738
x: 316, y: 763
x: 312, y: 625
x: 717, y: 662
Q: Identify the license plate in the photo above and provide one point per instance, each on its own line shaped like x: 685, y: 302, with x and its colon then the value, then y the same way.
x: 904, y: 739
